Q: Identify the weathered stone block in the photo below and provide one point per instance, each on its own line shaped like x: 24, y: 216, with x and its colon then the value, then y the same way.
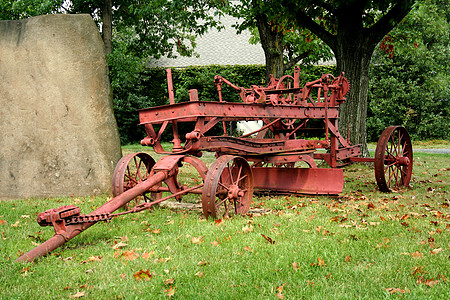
x: 58, y: 132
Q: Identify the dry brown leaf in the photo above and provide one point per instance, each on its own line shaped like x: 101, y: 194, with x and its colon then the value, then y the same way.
x: 417, y: 254
x: 435, y: 251
x: 3, y: 222
x: 146, y: 255
x: 170, y: 292
x: 169, y: 281
x: 321, y: 262
x: 78, y: 295
x: 197, y: 240
x: 247, y: 228
x: 268, y: 239
x: 248, y: 249
x: 202, y: 263
x: 200, y: 274
x: 129, y: 255
x: 143, y: 275
x: 16, y: 223
x: 295, y: 266
x: 396, y: 290
x: 348, y: 258
x: 156, y: 231
x: 119, y: 245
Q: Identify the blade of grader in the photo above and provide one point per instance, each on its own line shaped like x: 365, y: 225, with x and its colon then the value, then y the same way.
x: 315, y: 181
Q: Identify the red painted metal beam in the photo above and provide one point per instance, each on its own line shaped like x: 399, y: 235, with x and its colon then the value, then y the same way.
x: 189, y: 111
x: 73, y: 230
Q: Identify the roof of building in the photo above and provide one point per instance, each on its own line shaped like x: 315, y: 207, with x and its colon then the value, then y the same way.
x: 224, y: 47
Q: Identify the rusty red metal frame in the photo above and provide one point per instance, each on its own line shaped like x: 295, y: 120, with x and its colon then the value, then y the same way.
x: 281, y: 163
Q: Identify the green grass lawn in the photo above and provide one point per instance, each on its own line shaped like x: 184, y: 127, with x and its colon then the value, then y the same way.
x: 361, y: 244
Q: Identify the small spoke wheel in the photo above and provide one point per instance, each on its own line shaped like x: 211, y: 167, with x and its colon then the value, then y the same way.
x: 228, y: 187
x: 131, y: 170
x: 285, y: 82
x: 393, y: 159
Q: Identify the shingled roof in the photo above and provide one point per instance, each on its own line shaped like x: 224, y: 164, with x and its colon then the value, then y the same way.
x: 224, y: 47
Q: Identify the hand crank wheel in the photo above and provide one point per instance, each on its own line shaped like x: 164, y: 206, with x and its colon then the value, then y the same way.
x: 130, y: 170
x: 228, y: 187
x: 393, y: 159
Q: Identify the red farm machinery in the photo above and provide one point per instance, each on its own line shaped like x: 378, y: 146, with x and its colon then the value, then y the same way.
x: 274, y: 158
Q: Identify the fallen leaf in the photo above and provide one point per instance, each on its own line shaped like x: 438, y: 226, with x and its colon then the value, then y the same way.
x: 15, y: 224
x: 435, y: 251
x: 3, y: 222
x: 427, y: 282
x: 295, y: 266
x: 170, y: 292
x: 169, y: 281
x: 417, y: 254
x: 143, y: 275
x: 280, y: 292
x: 119, y: 245
x: 200, y: 274
x: 321, y: 262
x: 197, y: 240
x: 268, y: 239
x: 247, y: 229
x: 248, y: 249
x: 156, y: 231
x: 78, y: 295
x: 129, y: 255
x: 146, y: 255
x: 202, y: 263
x: 215, y: 243
x: 348, y: 258
x: 123, y: 275
x: 396, y: 290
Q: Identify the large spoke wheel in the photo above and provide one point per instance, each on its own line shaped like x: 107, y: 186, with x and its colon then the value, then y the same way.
x: 131, y: 170
x: 393, y: 159
x: 228, y: 187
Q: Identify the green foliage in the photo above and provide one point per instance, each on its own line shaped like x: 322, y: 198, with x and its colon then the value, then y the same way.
x: 20, y: 9
x: 410, y: 82
x: 296, y: 40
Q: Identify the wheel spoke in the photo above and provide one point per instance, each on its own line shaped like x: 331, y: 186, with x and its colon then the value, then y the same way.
x: 238, y: 176
x: 224, y: 186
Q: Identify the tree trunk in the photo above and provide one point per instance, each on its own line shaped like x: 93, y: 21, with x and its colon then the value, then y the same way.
x: 272, y: 43
x: 107, y: 25
x: 353, y: 51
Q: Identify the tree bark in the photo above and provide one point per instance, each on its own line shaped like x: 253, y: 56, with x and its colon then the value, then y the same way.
x: 353, y: 50
x: 107, y: 25
x: 272, y: 43
x: 353, y: 46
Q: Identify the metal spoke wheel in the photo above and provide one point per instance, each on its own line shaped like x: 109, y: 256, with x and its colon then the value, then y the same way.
x: 228, y: 187
x: 393, y: 159
x: 131, y: 170
x: 285, y: 82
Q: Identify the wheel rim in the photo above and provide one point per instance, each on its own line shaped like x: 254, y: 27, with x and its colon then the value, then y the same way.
x: 131, y: 170
x: 285, y: 82
x: 228, y: 187
x: 393, y: 159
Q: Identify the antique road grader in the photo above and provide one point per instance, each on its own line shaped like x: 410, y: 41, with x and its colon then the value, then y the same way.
x: 273, y: 158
